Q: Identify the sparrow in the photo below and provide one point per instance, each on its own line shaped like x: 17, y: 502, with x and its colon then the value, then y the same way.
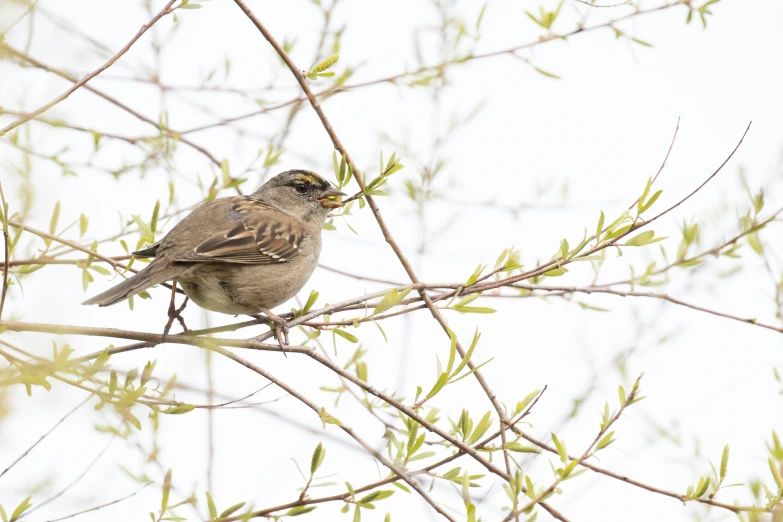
x: 241, y: 254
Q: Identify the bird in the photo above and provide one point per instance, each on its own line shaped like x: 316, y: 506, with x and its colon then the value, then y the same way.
x: 241, y: 254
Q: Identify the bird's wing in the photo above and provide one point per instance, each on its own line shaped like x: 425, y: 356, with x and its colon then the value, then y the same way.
x: 263, y: 236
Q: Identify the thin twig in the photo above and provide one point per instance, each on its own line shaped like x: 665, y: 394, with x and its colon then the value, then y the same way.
x: 23, y: 455
x: 74, y: 481
x: 96, y: 508
x: 166, y: 10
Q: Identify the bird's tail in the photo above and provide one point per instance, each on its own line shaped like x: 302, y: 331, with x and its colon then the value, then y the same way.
x: 157, y: 272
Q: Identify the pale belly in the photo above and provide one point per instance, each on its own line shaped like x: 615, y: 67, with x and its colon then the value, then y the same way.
x: 246, y: 289
x: 210, y: 294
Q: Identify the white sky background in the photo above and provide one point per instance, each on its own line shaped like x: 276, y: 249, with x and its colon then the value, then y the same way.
x: 603, y: 128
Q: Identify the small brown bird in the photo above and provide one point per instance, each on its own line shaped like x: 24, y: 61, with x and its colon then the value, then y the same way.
x: 241, y: 254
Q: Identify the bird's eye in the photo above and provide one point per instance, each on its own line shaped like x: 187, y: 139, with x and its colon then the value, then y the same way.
x: 300, y: 188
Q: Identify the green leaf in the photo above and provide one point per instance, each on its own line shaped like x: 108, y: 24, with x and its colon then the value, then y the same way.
x: 519, y: 448
x: 475, y: 310
x: 452, y: 351
x: 351, y: 491
x: 701, y: 489
x: 561, y: 449
x: 326, y: 64
x: 310, y: 302
x: 462, y: 307
x: 211, y: 505
x: 521, y: 405
x: 299, y: 510
x: 755, y: 243
x: 232, y: 509
x: 422, y: 456
x: 689, y: 263
x: 774, y: 469
x: 224, y: 169
x: 650, y: 202
x: 82, y: 225
x: 100, y: 270
x: 564, y: 249
x: 345, y: 335
x: 443, y: 378
x: 326, y: 418
x: 599, y: 228
x: 337, y: 173
x: 642, y: 239
x: 179, y: 410
x: 641, y: 42
x: 481, y: 428
x: 546, y: 73
x: 390, y: 299
x: 21, y: 508
x: 724, y: 462
x: 146, y: 232
x: 502, y: 255
x: 318, y: 457
x: 471, y: 371
x: 605, y: 441
x: 53, y: 221
x: 468, y: 354
x: 375, y: 496
x: 154, y: 219
x: 164, y: 503
x: 475, y: 275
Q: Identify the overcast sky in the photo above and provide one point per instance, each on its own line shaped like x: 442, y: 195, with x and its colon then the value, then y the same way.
x: 599, y: 131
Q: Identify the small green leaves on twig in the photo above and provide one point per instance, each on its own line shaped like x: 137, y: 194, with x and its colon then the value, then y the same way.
x: 450, y: 376
x: 644, y: 202
x: 386, y: 170
x: 271, y: 156
x: 631, y: 398
x: 327, y: 418
x: 463, y: 308
x: 320, y: 70
x: 229, y: 182
x: 645, y: 238
x: 311, y: 300
x: 702, y: 11
x: 775, y: 449
x: 189, y: 4
x: 342, y: 171
x: 699, y: 489
x: 391, y: 299
x: 20, y: 509
x: 179, y: 410
x: 546, y: 18
x: 147, y: 230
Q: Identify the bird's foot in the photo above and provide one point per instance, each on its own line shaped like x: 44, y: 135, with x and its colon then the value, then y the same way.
x: 175, y: 313
x: 280, y: 326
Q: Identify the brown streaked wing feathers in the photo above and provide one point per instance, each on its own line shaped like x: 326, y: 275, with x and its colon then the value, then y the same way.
x: 264, y: 236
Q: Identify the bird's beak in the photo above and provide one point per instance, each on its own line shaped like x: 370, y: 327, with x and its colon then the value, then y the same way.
x: 331, y: 198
